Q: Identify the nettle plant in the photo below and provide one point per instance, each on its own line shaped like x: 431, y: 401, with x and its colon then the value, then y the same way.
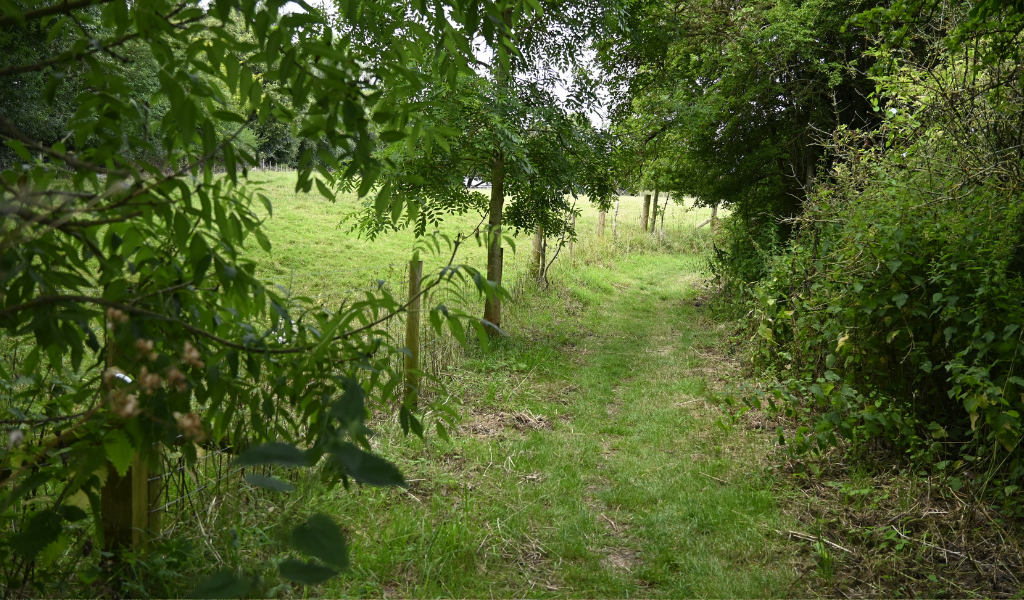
x: 132, y: 320
x: 896, y: 315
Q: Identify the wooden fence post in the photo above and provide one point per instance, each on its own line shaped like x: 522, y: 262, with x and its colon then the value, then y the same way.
x: 412, y: 333
x: 615, y: 219
x: 128, y: 506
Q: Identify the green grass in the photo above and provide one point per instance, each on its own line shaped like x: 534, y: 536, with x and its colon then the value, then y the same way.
x: 589, y: 462
x: 315, y: 254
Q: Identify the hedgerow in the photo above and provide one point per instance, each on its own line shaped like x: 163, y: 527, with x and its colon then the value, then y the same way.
x: 894, y: 318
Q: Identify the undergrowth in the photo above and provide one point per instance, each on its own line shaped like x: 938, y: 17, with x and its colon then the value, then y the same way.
x: 886, y: 335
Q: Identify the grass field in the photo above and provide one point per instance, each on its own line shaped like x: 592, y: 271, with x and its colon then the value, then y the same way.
x: 315, y: 254
x: 590, y: 460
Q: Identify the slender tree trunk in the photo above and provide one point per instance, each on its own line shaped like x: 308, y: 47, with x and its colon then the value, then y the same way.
x: 664, y: 210
x: 654, y: 215
x: 574, y: 233
x: 600, y: 223
x: 537, y: 267
x: 645, y: 215
x: 492, y: 306
x: 615, y: 219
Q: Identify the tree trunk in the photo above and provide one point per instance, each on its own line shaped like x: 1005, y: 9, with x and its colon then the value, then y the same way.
x: 615, y: 219
x: 492, y: 306
x: 600, y: 224
x: 537, y: 265
x: 645, y: 215
x: 654, y: 214
x: 573, y: 234
x: 664, y: 210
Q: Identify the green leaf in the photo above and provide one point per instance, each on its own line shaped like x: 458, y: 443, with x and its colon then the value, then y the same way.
x: 481, y: 335
x: 383, y: 200
x: 303, y: 572
x: 261, y: 239
x: 119, y: 450
x: 392, y: 136
x: 900, y: 300
x: 31, y: 361
x: 365, y: 467
x: 19, y: 149
x: 200, y: 258
x: 324, y: 190
x: 457, y: 329
x: 225, y: 115
x: 351, y: 407
x: 43, y: 529
x: 442, y: 431
x: 13, y: 11
x: 320, y: 537
x: 268, y: 483
x: 223, y: 584
x: 397, y: 203
x: 275, y: 453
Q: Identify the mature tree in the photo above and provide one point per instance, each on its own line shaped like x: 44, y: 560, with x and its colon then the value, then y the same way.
x: 509, y: 128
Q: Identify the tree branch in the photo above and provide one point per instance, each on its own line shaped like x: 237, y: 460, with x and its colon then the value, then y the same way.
x: 62, y: 8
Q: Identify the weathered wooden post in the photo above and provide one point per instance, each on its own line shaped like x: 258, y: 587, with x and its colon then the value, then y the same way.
x: 129, y: 506
x: 412, y: 333
x: 712, y: 219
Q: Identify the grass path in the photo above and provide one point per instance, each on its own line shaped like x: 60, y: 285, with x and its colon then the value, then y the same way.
x: 682, y: 506
x: 589, y: 463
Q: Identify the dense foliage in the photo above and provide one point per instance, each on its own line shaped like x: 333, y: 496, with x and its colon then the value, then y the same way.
x: 733, y: 95
x: 133, y: 320
x: 891, y: 320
